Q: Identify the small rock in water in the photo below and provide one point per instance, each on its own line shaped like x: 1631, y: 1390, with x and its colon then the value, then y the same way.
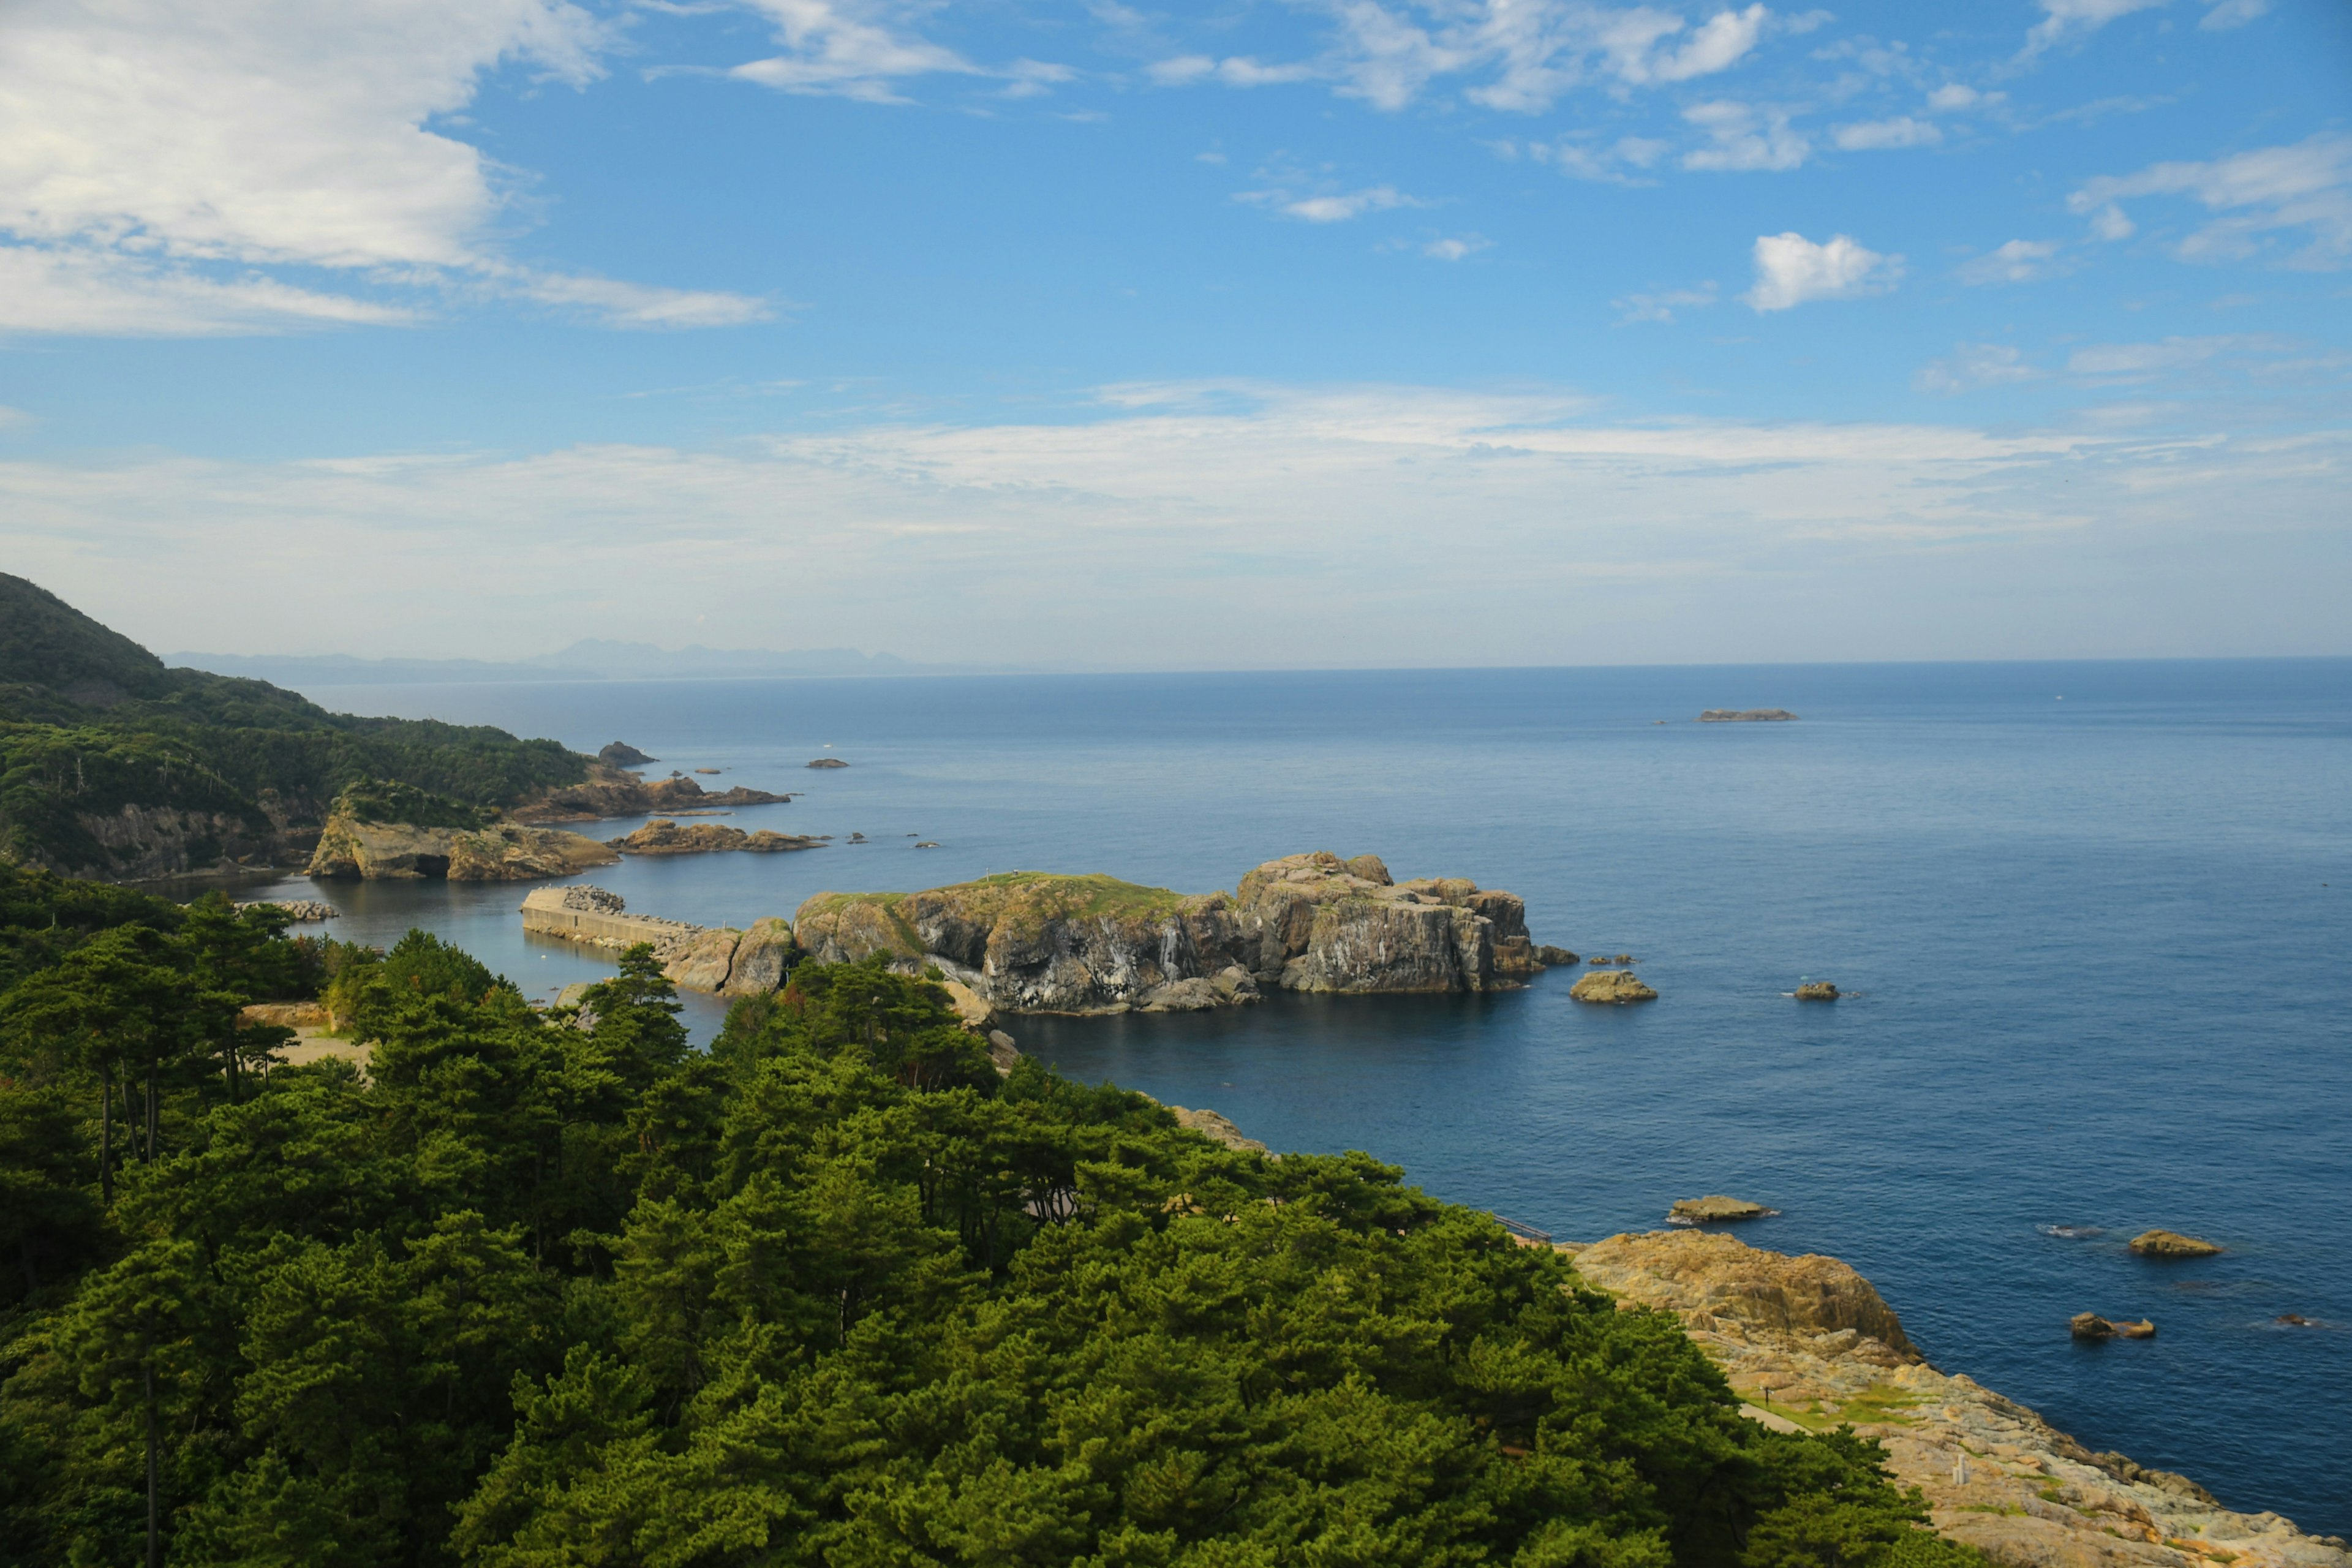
x: 2091, y: 1326
x: 1552, y: 957
x: 1715, y: 1208
x: 828, y: 763
x: 1610, y: 985
x: 2172, y: 1244
x: 2295, y: 1320
x: 709, y: 769
x: 1817, y: 991
x: 928, y: 844
x: 857, y: 839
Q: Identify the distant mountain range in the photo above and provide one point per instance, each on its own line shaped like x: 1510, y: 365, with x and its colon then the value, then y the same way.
x: 592, y: 659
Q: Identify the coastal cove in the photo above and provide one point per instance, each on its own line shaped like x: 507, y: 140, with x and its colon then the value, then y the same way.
x: 2094, y: 979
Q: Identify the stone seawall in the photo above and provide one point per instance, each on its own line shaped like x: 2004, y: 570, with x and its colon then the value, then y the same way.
x: 595, y: 918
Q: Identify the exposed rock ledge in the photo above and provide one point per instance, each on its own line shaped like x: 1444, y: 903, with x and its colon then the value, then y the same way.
x: 1809, y: 1335
x: 1745, y: 716
x: 500, y: 852
x: 663, y: 837
x: 1030, y: 942
x: 610, y: 792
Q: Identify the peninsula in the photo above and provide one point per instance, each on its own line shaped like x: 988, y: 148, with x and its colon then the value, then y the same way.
x: 1025, y: 941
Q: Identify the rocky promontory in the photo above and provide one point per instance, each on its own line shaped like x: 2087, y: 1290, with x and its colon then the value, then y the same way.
x: 663, y: 837
x: 1745, y: 716
x: 389, y: 832
x: 1810, y: 1346
x: 1033, y: 942
x: 610, y: 792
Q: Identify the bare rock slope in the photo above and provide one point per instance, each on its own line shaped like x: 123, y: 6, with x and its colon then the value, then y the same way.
x: 498, y: 852
x: 1031, y: 942
x: 1810, y: 1345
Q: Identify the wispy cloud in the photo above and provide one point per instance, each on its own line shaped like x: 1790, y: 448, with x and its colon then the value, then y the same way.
x: 1622, y: 162
x: 1791, y: 271
x: 2304, y: 187
x: 1972, y: 367
x: 1456, y: 247
x: 2019, y: 261
x: 1873, y: 136
x: 1661, y: 305
x: 2069, y: 21
x: 1106, y: 533
x: 1522, y: 56
x: 1740, y: 137
x: 1336, y: 206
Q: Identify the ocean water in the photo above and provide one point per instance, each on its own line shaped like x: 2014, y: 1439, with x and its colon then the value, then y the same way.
x: 2094, y: 922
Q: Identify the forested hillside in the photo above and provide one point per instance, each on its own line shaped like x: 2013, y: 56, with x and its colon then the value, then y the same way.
x: 113, y: 765
x: 556, y: 1288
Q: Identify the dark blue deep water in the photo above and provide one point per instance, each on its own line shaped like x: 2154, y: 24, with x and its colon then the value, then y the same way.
x: 2096, y: 920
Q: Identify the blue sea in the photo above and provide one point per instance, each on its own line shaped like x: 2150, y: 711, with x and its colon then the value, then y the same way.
x: 2093, y: 921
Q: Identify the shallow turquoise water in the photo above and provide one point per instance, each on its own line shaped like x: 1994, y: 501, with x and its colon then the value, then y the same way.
x: 2099, y: 945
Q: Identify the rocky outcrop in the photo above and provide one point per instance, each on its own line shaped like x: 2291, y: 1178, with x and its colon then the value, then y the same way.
x: 1714, y: 1209
x: 300, y: 911
x: 609, y: 792
x: 500, y: 852
x: 1612, y: 985
x: 1745, y: 716
x: 2091, y: 1326
x: 704, y: 960
x: 1817, y: 991
x: 595, y: 918
x: 2172, y: 1244
x: 763, y: 957
x: 828, y: 763
x: 1031, y: 942
x: 1810, y: 1346
x: 664, y: 837
x: 1220, y: 1129
x: 621, y: 754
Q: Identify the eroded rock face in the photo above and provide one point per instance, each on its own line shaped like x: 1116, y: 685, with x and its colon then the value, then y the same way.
x: 1027, y: 942
x: 1996, y: 1476
x: 762, y: 958
x: 705, y: 961
x: 501, y: 852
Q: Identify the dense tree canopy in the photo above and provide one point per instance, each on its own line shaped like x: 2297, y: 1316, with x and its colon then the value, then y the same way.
x: 546, y: 1289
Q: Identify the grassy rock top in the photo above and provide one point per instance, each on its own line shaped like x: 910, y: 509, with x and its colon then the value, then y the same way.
x: 1021, y: 896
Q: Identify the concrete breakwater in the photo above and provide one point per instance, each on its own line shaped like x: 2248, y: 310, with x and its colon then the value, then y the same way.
x: 594, y: 918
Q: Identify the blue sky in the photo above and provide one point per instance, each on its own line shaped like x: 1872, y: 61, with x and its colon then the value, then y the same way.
x: 1360, y: 332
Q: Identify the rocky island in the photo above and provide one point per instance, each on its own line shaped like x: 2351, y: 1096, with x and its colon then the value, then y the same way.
x: 664, y: 837
x: 1745, y: 716
x: 608, y: 791
x: 1031, y: 942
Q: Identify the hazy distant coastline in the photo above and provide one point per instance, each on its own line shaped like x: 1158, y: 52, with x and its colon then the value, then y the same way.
x: 592, y: 659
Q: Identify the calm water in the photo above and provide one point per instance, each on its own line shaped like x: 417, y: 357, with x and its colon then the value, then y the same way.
x: 2098, y: 919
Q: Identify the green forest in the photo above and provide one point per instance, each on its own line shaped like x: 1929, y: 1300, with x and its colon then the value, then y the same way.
x: 556, y: 1288
x: 91, y: 724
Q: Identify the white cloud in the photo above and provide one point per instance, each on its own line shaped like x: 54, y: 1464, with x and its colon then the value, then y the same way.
x: 2109, y: 223
x: 1791, y: 270
x: 1115, y: 539
x: 1611, y: 162
x: 1454, y: 248
x: 1974, y: 365
x: 2126, y: 364
x: 2019, y: 261
x: 158, y: 161
x: 1742, y: 138
x: 1333, y: 207
x: 2234, y: 13
x: 848, y: 48
x: 1528, y: 52
x: 1954, y: 97
x: 2307, y: 186
x: 2063, y: 21
x: 1869, y: 135
x: 1660, y: 306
